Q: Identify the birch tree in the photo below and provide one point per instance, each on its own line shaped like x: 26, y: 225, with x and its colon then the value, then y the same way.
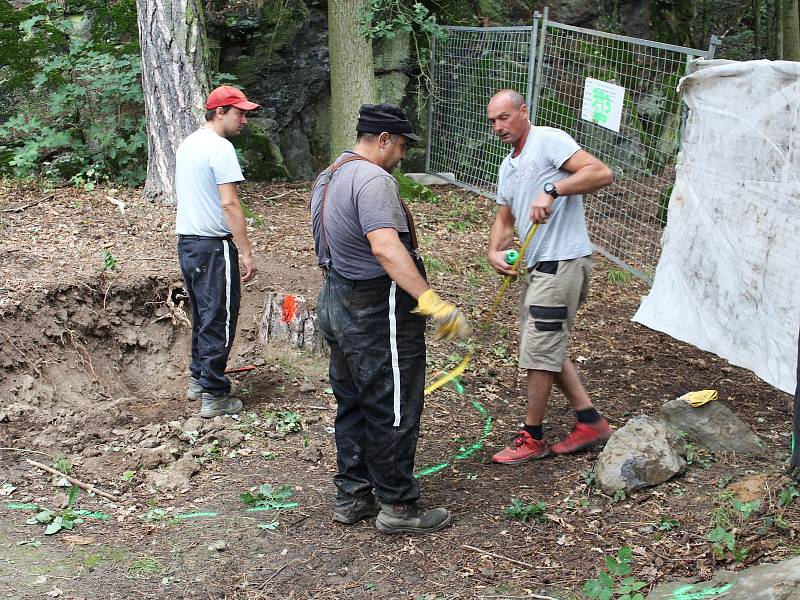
x: 175, y: 83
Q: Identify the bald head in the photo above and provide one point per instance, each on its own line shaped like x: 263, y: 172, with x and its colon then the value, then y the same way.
x: 510, y: 97
x: 508, y: 115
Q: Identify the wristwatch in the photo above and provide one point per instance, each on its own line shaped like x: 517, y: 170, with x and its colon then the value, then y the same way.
x: 549, y: 188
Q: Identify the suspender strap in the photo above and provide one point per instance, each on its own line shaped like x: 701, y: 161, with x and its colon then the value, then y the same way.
x: 331, y: 170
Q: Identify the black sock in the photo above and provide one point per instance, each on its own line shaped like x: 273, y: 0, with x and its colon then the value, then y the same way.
x: 588, y: 415
x: 534, y: 430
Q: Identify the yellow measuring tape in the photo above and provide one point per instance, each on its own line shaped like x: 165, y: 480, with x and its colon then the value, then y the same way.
x: 487, y: 318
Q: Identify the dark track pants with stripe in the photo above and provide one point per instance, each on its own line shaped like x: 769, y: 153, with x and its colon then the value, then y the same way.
x: 377, y: 372
x: 210, y: 268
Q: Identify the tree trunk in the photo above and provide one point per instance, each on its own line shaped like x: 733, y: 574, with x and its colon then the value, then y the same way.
x: 791, y: 30
x: 175, y: 81
x: 756, y: 28
x: 287, y: 321
x: 779, y: 29
x: 352, y: 72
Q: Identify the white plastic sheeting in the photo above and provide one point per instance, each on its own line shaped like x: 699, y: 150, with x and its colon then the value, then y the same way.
x: 728, y: 280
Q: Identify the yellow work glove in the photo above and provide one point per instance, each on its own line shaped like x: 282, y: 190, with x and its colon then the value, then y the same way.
x: 695, y: 399
x: 448, y: 320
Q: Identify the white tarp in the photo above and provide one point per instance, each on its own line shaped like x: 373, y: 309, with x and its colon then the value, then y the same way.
x: 728, y: 279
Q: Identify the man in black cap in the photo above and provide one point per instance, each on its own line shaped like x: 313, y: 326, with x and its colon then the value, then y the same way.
x: 371, y: 311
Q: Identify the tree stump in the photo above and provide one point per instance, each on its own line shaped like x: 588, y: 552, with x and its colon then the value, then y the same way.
x: 288, y: 320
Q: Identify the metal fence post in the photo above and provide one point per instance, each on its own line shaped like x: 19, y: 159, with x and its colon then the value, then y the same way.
x: 532, y: 61
x: 431, y: 98
x: 712, y: 47
x: 538, y: 86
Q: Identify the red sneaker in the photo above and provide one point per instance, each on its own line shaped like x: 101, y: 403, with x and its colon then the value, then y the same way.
x: 522, y: 449
x: 584, y: 435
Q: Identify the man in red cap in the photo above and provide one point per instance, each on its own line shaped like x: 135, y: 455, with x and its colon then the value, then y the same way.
x: 212, y: 236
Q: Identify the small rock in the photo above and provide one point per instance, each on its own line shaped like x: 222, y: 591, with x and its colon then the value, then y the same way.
x: 176, y: 475
x: 217, y: 546
x: 193, y: 424
x: 311, y: 454
x: 306, y: 388
x: 259, y: 362
x: 229, y: 438
x: 646, y: 529
x: 713, y: 425
x: 151, y: 458
x: 150, y: 443
x: 642, y: 453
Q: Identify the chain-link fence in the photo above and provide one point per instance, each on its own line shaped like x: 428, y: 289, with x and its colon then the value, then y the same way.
x: 468, y: 67
x: 616, y: 95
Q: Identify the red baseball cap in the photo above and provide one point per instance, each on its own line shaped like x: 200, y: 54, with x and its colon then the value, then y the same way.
x: 226, y: 95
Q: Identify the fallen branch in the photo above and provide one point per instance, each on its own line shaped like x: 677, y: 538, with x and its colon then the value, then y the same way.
x: 84, y: 486
x: 501, y: 557
x: 27, y: 451
x: 21, y: 208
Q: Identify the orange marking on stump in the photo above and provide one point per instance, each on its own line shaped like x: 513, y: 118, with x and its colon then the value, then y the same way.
x: 289, y: 307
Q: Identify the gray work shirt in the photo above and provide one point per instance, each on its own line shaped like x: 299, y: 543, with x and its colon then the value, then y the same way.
x: 362, y: 197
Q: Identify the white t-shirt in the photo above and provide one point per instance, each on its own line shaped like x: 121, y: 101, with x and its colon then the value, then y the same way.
x: 204, y: 160
x: 521, y: 179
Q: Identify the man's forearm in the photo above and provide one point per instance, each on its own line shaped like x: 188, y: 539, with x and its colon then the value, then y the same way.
x: 585, y: 181
x: 398, y: 265
x: 238, y: 226
x: 501, y: 234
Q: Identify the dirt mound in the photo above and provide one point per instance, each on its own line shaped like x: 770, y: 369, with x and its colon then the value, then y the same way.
x: 78, y: 358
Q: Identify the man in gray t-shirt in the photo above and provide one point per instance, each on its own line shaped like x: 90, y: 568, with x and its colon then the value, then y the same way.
x: 542, y: 182
x: 371, y: 311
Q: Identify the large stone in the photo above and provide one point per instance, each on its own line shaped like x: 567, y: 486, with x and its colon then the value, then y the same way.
x: 176, y: 476
x: 778, y: 581
x: 714, y: 426
x: 642, y: 453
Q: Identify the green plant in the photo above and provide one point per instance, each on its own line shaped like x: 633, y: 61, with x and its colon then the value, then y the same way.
x: 434, y: 265
x: 109, y: 261
x: 667, y: 524
x: 284, y: 421
x: 411, y: 191
x: 619, y: 496
x: 62, y: 465
x: 525, y: 512
x: 615, y: 582
x: 254, y: 219
x: 619, y: 276
x: 267, y: 497
x: 787, y: 495
x: 56, y: 521
x: 82, y: 118
x: 723, y: 540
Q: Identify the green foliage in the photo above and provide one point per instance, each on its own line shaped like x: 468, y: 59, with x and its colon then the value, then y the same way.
x: 56, y: 521
x: 109, y: 260
x: 619, y: 276
x: 525, y: 512
x: 253, y: 218
x: 284, y: 421
x: 616, y: 581
x: 788, y: 495
x: 386, y: 18
x: 411, y: 191
x: 62, y: 465
x: 268, y: 497
x: 80, y: 116
x: 728, y: 517
x: 667, y: 524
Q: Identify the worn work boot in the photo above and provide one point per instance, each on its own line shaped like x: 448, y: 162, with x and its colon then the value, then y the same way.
x: 194, y: 390
x: 410, y: 518
x: 522, y: 449
x: 214, y: 406
x: 584, y: 435
x: 352, y: 510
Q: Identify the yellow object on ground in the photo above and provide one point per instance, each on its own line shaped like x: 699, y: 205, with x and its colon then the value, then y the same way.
x: 695, y: 399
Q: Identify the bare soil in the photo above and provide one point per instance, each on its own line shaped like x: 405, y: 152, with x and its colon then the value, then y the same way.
x: 93, y: 353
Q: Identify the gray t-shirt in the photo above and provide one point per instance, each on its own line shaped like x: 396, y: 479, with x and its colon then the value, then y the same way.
x: 521, y: 179
x: 362, y: 197
x: 204, y: 160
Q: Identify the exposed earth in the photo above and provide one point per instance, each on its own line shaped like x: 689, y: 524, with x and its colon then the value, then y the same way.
x: 93, y: 357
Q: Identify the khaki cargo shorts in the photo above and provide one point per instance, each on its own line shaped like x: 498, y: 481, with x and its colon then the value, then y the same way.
x: 549, y: 301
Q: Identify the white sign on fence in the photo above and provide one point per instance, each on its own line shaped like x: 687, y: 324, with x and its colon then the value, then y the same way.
x: 602, y: 103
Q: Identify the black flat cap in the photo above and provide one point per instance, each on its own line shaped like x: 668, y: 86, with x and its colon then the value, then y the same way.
x: 377, y: 118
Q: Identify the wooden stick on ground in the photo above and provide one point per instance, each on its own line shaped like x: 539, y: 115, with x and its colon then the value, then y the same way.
x: 500, y: 556
x: 78, y: 482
